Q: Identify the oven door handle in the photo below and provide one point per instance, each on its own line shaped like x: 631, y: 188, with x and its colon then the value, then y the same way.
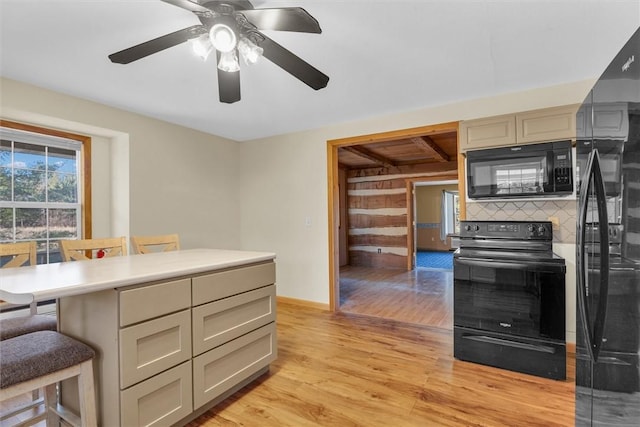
x: 595, y: 334
x: 535, y: 266
x: 509, y: 343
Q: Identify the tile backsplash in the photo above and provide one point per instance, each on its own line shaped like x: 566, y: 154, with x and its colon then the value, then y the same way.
x: 564, y: 210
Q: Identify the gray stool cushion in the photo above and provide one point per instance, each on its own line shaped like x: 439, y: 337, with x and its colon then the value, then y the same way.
x: 33, y: 355
x: 15, y: 326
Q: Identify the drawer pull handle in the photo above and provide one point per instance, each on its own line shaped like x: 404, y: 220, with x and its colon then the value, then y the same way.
x: 499, y: 341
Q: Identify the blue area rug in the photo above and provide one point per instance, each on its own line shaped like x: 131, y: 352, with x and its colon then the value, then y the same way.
x: 429, y: 259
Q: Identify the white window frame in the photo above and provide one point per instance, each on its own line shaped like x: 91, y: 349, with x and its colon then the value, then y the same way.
x: 449, y: 214
x: 47, y: 141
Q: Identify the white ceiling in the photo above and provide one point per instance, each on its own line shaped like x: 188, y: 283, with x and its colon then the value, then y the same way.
x: 381, y: 57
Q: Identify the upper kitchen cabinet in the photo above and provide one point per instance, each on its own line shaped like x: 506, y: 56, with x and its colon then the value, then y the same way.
x: 550, y: 124
x: 489, y: 132
x: 605, y: 120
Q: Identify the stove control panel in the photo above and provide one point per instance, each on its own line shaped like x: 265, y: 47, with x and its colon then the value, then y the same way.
x: 518, y: 230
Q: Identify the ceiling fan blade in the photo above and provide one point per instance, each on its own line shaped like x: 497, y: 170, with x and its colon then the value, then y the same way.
x: 239, y: 4
x: 228, y: 84
x: 156, y: 45
x: 283, y: 19
x: 189, y: 5
x: 292, y: 64
x: 200, y: 7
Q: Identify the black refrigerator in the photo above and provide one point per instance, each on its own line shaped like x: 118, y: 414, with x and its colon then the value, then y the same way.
x: 608, y: 246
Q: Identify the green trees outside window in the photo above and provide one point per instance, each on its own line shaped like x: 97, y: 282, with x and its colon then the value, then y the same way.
x: 39, y: 190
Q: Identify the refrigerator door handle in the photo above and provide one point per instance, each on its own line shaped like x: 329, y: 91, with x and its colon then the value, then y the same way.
x: 594, y: 335
x: 581, y: 277
x: 603, y: 224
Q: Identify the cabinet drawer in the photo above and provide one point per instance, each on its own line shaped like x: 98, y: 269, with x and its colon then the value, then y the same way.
x: 223, y: 320
x: 224, y: 284
x: 148, y: 302
x: 160, y: 401
x: 220, y: 369
x: 154, y: 346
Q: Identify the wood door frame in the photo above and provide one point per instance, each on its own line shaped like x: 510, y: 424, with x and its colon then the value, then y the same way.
x: 411, y: 201
x: 333, y: 191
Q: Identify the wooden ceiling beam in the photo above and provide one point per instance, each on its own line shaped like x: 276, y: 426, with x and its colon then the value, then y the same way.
x: 427, y: 144
x: 370, y: 155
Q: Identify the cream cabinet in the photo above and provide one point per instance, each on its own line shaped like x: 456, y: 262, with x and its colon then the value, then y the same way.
x: 162, y: 400
x: 550, y: 124
x: 167, y: 349
x: 220, y: 369
x: 605, y: 121
x: 490, y: 132
x: 151, y: 347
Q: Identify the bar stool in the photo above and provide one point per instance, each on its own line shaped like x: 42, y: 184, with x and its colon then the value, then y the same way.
x: 21, y: 254
x: 15, y: 326
x: 42, y: 359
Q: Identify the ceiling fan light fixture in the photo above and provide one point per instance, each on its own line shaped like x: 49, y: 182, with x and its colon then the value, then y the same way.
x: 202, y: 47
x: 229, y: 62
x: 223, y: 38
x: 223, y: 25
x: 249, y: 51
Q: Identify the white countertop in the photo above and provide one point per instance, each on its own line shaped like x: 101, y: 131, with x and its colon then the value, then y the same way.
x: 22, y: 285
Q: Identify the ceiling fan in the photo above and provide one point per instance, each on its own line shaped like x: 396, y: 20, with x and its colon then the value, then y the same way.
x: 231, y: 27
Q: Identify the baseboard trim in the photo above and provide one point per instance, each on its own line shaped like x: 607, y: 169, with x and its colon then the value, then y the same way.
x: 303, y: 303
x: 571, y: 348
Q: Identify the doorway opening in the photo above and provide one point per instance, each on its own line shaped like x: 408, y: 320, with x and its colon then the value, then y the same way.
x: 437, y: 224
x: 372, y: 234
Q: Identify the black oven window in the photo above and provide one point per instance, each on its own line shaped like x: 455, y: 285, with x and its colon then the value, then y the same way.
x: 512, y: 299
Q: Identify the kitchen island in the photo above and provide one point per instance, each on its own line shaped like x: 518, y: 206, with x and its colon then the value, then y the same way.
x: 175, y: 333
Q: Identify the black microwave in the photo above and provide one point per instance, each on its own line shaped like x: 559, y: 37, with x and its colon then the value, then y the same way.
x: 536, y: 170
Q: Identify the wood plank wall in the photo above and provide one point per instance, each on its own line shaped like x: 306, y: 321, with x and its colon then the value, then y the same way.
x: 377, y: 211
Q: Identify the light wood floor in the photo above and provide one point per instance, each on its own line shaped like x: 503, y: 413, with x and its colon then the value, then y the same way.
x: 353, y: 370
x: 421, y: 296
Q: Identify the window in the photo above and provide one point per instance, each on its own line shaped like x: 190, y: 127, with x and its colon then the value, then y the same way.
x: 450, y: 223
x: 43, y: 187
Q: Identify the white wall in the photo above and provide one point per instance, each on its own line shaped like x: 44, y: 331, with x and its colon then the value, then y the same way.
x: 103, y: 201
x: 149, y: 176
x: 284, y: 209
x: 568, y: 252
x: 283, y: 180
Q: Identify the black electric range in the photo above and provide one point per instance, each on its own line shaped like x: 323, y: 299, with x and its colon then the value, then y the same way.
x: 509, y: 297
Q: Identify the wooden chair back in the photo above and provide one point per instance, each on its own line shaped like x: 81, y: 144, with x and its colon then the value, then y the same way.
x: 84, y: 249
x: 22, y: 253
x: 149, y: 244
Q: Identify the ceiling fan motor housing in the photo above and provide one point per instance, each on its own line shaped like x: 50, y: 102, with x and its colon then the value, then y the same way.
x: 228, y: 14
